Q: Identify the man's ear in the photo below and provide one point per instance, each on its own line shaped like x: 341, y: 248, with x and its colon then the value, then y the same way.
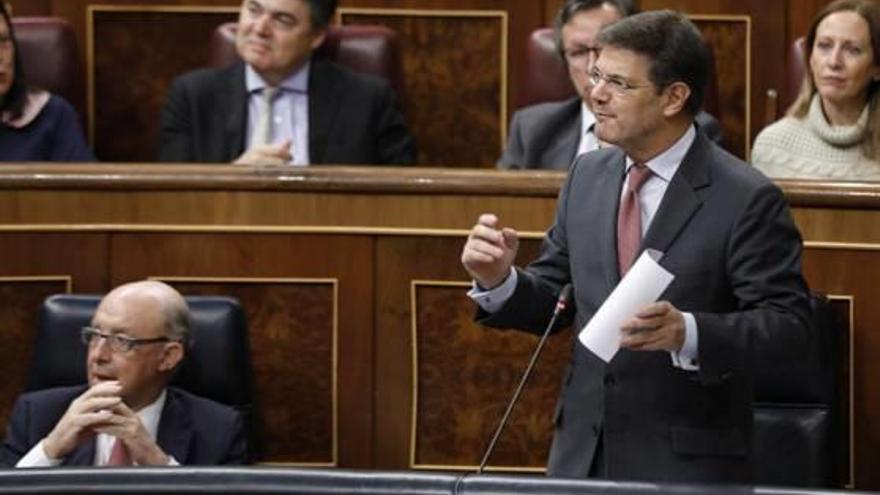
x: 677, y: 95
x: 172, y: 354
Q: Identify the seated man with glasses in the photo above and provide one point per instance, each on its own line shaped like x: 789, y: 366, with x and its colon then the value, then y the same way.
x: 551, y: 135
x: 127, y: 414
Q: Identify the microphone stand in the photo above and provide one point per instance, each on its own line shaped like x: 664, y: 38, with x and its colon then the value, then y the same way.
x: 561, y: 304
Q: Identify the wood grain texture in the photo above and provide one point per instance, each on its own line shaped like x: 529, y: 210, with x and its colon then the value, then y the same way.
x: 466, y: 376
x: 728, y: 39
x: 400, y: 260
x: 128, y: 96
x: 291, y: 333
x: 453, y: 95
x: 18, y: 318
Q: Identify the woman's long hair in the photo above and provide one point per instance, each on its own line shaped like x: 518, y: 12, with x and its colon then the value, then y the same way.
x: 12, y: 103
x: 870, y: 12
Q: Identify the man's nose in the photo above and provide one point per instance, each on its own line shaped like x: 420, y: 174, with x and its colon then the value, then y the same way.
x: 599, y: 93
x: 262, y: 24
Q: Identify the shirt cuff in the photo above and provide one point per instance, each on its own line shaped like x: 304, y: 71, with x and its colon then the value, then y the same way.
x: 37, y: 458
x: 493, y: 299
x: 172, y: 461
x: 686, y: 358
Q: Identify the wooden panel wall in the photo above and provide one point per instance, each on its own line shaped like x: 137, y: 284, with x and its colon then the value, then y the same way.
x: 365, y: 352
x: 126, y: 98
x: 461, y: 59
x: 456, y: 103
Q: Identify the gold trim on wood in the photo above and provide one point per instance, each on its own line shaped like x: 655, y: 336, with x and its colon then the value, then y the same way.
x: 67, y: 279
x: 414, y: 285
x: 503, y: 48
x: 251, y: 229
x: 90, y: 40
x: 851, y: 299
x: 335, y: 344
x: 855, y: 246
x: 747, y: 19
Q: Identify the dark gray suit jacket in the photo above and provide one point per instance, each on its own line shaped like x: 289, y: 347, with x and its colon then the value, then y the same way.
x: 353, y: 118
x: 729, y: 239
x: 193, y: 430
x: 546, y: 135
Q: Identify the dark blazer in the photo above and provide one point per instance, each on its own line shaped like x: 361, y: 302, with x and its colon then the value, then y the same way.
x: 546, y: 135
x: 353, y: 118
x: 193, y: 430
x: 729, y: 239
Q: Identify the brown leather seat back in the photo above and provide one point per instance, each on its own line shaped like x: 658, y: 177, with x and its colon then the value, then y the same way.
x: 366, y: 49
x: 50, y: 57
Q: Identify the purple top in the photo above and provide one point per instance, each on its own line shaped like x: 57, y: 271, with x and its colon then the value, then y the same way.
x: 54, y: 135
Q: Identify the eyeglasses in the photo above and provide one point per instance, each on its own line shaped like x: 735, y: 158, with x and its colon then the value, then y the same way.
x: 581, y: 54
x: 118, y: 342
x: 616, y: 85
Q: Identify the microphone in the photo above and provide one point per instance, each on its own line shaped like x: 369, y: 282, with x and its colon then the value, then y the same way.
x: 562, y: 302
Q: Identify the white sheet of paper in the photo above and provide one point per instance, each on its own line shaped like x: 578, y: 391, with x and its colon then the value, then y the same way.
x: 641, y: 285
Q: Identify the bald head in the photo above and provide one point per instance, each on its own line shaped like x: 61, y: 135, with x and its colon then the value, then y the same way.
x: 158, y: 300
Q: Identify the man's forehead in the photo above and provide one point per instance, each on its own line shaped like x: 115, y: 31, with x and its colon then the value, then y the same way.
x: 622, y: 62
x: 593, y: 19
x: 129, y: 311
x: 279, y: 6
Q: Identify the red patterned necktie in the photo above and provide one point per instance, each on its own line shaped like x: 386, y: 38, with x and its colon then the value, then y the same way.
x: 629, y: 219
x: 119, y: 454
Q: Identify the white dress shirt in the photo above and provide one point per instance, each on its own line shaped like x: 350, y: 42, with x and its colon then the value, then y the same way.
x: 651, y: 194
x: 149, y: 416
x: 589, y: 141
x: 290, y: 111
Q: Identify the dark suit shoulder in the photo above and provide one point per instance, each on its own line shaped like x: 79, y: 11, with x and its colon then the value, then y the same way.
x: 202, y: 407
x: 324, y: 70
x: 599, y: 160
x: 540, y: 113
x: 728, y: 167
x: 53, y: 397
x: 200, y: 431
x: 208, y: 80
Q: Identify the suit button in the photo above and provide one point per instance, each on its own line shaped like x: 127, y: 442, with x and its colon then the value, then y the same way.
x: 596, y: 429
x: 609, y: 380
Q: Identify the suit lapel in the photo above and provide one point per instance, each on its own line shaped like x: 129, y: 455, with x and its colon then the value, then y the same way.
x: 175, y: 430
x: 324, y: 102
x: 235, y: 109
x: 609, y: 185
x: 564, y: 144
x: 682, y: 199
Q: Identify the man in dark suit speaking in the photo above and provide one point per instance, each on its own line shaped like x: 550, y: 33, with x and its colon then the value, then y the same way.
x: 674, y: 404
x: 551, y: 135
x: 127, y: 415
x: 281, y: 105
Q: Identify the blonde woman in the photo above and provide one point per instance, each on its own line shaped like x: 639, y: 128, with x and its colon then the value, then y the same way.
x: 832, y: 131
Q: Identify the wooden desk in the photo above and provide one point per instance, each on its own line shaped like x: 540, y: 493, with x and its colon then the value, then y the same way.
x: 364, y: 350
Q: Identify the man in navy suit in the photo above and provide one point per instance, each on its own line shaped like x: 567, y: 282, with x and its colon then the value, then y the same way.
x: 281, y: 105
x: 675, y: 403
x: 127, y: 415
